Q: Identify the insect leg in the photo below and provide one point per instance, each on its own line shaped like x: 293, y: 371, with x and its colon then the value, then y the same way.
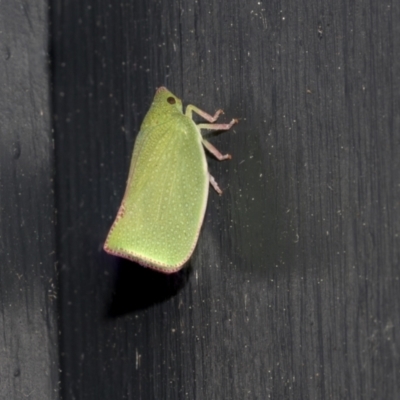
x: 214, y: 184
x: 218, y: 127
x: 210, y: 118
x: 213, y: 150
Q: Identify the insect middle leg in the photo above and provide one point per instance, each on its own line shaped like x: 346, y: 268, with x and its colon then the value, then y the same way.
x: 216, y: 127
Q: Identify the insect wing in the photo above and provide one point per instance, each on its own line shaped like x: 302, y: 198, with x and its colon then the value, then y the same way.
x: 163, y: 207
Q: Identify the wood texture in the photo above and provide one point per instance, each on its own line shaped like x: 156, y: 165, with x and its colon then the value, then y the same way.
x: 29, y: 367
x: 293, y: 290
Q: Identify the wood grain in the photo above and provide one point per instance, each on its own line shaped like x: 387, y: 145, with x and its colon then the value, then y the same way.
x: 29, y: 366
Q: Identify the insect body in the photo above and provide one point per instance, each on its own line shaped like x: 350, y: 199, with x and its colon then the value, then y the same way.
x: 159, y: 220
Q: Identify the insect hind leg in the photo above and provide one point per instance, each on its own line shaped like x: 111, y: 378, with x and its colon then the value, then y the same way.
x: 214, y: 184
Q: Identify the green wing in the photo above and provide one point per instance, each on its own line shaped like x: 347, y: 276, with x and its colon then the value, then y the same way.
x: 163, y: 208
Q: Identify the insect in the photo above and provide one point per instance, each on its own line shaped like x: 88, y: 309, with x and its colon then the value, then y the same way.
x: 159, y: 220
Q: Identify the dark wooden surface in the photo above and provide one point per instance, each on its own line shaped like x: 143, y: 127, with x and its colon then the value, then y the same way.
x: 28, y: 284
x: 293, y: 291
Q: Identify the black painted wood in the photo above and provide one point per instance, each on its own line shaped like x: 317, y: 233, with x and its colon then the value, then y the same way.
x: 29, y: 367
x: 293, y: 290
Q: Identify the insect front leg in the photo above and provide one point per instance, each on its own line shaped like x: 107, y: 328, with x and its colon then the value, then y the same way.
x: 213, y: 150
x: 210, y: 118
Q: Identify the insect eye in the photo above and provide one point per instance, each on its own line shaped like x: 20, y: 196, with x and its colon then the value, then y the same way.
x: 171, y: 100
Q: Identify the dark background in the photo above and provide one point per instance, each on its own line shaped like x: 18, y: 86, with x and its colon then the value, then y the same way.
x: 293, y: 290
